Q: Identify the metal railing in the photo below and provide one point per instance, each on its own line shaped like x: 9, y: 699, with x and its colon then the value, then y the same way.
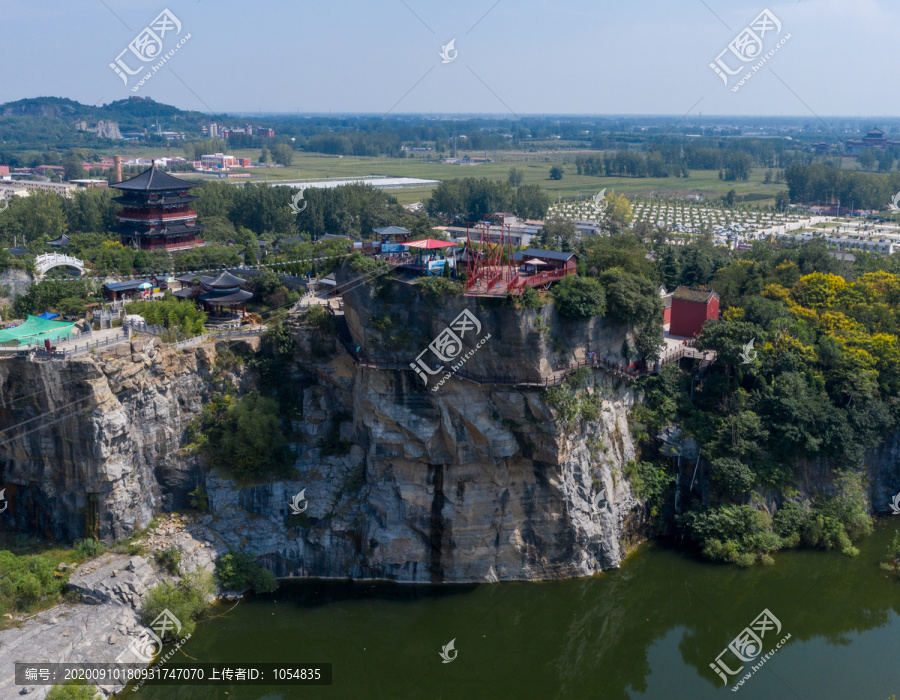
x: 78, y: 348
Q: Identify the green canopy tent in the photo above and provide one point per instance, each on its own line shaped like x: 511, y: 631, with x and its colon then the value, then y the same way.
x: 34, y: 331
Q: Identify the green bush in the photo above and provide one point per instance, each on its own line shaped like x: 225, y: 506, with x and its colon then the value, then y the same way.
x: 88, y: 548
x: 838, y: 520
x: 732, y: 477
x: 187, y: 600
x: 530, y: 299
x: 244, y: 437
x: 72, y: 690
x: 649, y: 481
x: 737, y: 534
x: 579, y: 298
x: 238, y: 571
x: 435, y: 287
x: 320, y: 319
x: 170, y: 558
x: 199, y: 499
x: 27, y: 581
x: 180, y: 315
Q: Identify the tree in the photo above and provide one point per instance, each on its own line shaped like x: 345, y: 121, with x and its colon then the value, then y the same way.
x: 885, y: 161
x: 617, y: 213
x: 558, y: 233
x: 264, y: 155
x: 579, y: 298
x: 737, y: 165
x: 782, y: 201
x: 282, y: 154
x: 530, y: 202
x: 730, y: 197
x: 73, y: 167
x: 516, y: 175
x: 866, y: 159
x: 556, y: 173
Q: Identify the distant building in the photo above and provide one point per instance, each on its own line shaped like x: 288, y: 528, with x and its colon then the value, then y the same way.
x: 875, y: 138
x: 219, y: 161
x: 691, y: 308
x: 265, y: 132
x: 63, y: 189
x: 89, y: 183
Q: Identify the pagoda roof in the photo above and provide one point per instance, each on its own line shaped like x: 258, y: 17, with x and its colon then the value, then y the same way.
x: 215, y: 298
x: 153, y: 180
x: 225, y: 281
x: 60, y: 242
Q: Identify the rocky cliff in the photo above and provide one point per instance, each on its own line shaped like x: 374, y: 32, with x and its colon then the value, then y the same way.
x: 474, y: 482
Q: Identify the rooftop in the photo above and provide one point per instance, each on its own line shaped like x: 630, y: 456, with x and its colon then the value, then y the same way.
x: 153, y: 180
x: 690, y: 294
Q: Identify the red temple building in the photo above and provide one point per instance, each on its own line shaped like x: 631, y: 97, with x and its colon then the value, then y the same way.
x: 155, y: 212
x: 691, y: 308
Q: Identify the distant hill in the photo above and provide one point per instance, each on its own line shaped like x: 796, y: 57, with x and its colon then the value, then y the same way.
x: 130, y: 112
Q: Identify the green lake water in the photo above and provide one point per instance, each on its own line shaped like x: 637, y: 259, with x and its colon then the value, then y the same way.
x: 648, y: 630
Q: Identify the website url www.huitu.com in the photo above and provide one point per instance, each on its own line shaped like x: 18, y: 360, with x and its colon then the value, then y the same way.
x: 754, y: 669
x: 759, y: 65
x: 159, y: 65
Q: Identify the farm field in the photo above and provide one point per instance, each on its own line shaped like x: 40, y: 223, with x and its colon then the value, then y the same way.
x: 534, y: 166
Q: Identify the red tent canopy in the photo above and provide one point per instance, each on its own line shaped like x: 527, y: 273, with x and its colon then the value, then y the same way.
x: 429, y: 244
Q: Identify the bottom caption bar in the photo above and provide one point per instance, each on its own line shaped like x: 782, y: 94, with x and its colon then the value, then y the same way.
x: 188, y: 674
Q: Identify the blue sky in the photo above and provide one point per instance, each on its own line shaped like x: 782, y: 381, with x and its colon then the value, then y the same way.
x: 514, y: 56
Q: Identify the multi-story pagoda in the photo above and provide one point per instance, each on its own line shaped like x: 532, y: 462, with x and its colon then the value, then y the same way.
x: 156, y: 214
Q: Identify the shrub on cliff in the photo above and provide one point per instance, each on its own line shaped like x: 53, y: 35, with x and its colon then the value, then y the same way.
x: 238, y: 571
x: 244, y: 437
x: 72, y: 690
x: 187, y: 600
x: 435, y: 287
x: 579, y: 298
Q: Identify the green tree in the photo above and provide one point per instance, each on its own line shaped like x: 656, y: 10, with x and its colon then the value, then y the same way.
x: 579, y: 298
x: 516, y: 176
x: 282, y: 154
x: 556, y: 173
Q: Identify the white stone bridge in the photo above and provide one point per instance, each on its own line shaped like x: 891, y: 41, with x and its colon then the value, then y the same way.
x: 46, y: 262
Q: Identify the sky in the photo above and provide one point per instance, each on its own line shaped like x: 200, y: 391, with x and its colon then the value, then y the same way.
x: 509, y: 57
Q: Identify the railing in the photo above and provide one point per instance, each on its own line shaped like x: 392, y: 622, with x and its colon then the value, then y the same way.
x: 45, y: 262
x: 540, y: 278
x: 79, y: 348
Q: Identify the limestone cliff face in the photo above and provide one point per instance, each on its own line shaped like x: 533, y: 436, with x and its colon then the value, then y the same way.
x: 472, y: 483
x: 97, y: 447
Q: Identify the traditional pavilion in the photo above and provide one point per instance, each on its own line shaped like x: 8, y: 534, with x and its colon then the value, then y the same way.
x: 156, y: 213
x: 221, y: 297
